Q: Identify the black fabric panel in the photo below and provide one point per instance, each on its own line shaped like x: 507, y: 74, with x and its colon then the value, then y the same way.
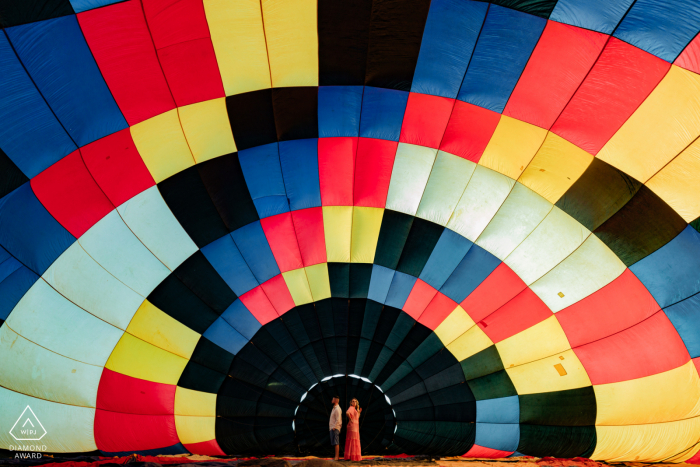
x: 339, y: 278
x: 224, y: 181
x: 237, y: 399
x: 202, y: 279
x: 392, y: 238
x: 541, y: 8
x: 557, y: 441
x: 420, y: 243
x: 175, y: 299
x: 356, y: 317
x: 598, y: 194
x: 15, y: 12
x: 574, y: 407
x: 360, y: 276
x: 200, y: 378
x: 395, y: 35
x: 10, y: 175
x: 296, y: 112
x: 696, y: 224
x: 252, y: 118
x: 340, y: 325
x: 482, y: 363
x: 437, y: 363
x: 236, y: 436
x: 492, y: 386
x: 187, y: 198
x: 343, y: 36
x: 640, y: 227
x: 453, y: 439
x: 210, y: 355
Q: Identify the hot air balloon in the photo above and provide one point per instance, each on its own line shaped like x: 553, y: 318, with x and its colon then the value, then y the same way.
x: 480, y: 219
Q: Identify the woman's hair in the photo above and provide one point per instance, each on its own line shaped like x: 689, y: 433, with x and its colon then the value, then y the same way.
x: 358, y: 402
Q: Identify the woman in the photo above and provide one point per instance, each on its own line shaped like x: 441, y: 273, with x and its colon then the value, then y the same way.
x: 352, y: 438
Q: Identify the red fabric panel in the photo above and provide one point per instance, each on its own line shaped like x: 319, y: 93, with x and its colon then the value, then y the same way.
x: 695, y: 459
x: 620, y: 80
x: 69, y: 193
x: 617, y: 306
x: 696, y: 362
x: 425, y: 119
x: 259, y: 305
x: 282, y: 238
x: 559, y: 63
x: 439, y: 308
x: 418, y: 299
x: 117, y: 167
x: 278, y: 294
x: 117, y: 432
x: 648, y: 348
x: 336, y: 167
x: 469, y: 131
x: 122, y: 393
x: 121, y: 44
x: 308, y: 224
x: 205, y: 448
x: 522, y: 312
x: 181, y: 35
x: 373, y: 165
x: 488, y: 453
x: 690, y: 60
x: 499, y: 287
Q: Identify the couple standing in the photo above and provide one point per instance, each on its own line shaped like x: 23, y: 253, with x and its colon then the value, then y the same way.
x: 352, y: 440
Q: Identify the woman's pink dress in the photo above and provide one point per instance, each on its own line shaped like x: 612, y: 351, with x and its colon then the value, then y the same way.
x: 352, y: 437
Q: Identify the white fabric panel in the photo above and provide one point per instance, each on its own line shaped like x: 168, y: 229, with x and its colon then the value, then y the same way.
x: 31, y: 369
x: 150, y: 219
x: 116, y: 248
x: 485, y: 193
x: 553, y: 240
x: 409, y: 176
x: 592, y: 266
x: 84, y: 282
x: 519, y: 215
x: 46, y: 318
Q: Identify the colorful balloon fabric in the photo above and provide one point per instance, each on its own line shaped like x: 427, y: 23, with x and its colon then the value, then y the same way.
x: 478, y: 218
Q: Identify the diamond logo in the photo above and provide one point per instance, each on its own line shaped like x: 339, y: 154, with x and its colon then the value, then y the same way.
x: 28, y: 427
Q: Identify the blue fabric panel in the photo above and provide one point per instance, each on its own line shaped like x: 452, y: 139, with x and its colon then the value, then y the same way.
x: 8, y: 266
x: 13, y: 288
x: 222, y: 334
x: 299, y: 160
x: 446, y: 256
x: 401, y: 286
x: 476, y: 266
x: 448, y: 42
x: 253, y: 245
x: 30, y: 134
x: 499, y: 436
x: 597, y: 15
x: 504, y: 47
x: 685, y: 316
x: 85, y: 5
x: 263, y: 175
x: 379, y: 283
x: 77, y: 94
x: 661, y: 27
x: 339, y: 111
x: 382, y: 113
x: 29, y: 233
x: 242, y: 320
x: 501, y: 410
x: 672, y: 272
x: 224, y: 256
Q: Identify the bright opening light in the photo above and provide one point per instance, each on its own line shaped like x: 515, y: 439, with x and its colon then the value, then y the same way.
x: 303, y: 397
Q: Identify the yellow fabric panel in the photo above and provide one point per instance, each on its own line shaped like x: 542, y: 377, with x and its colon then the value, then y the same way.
x: 512, y: 146
x: 292, y: 41
x: 197, y: 403
x: 677, y: 183
x: 155, y: 327
x: 542, y: 376
x: 456, y: 324
x: 555, y: 167
x: 318, y: 281
x: 207, y: 129
x: 139, y: 359
x: 337, y: 227
x: 366, y: 223
x: 663, y: 125
x: 541, y: 340
x: 469, y: 343
x: 192, y: 430
x: 238, y: 36
x: 647, y: 443
x: 665, y: 397
x: 162, y: 145
x: 298, y: 286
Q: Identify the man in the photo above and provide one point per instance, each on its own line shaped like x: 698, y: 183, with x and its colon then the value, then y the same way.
x: 334, y: 426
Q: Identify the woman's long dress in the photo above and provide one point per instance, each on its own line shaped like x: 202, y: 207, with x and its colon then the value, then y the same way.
x: 352, y: 437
